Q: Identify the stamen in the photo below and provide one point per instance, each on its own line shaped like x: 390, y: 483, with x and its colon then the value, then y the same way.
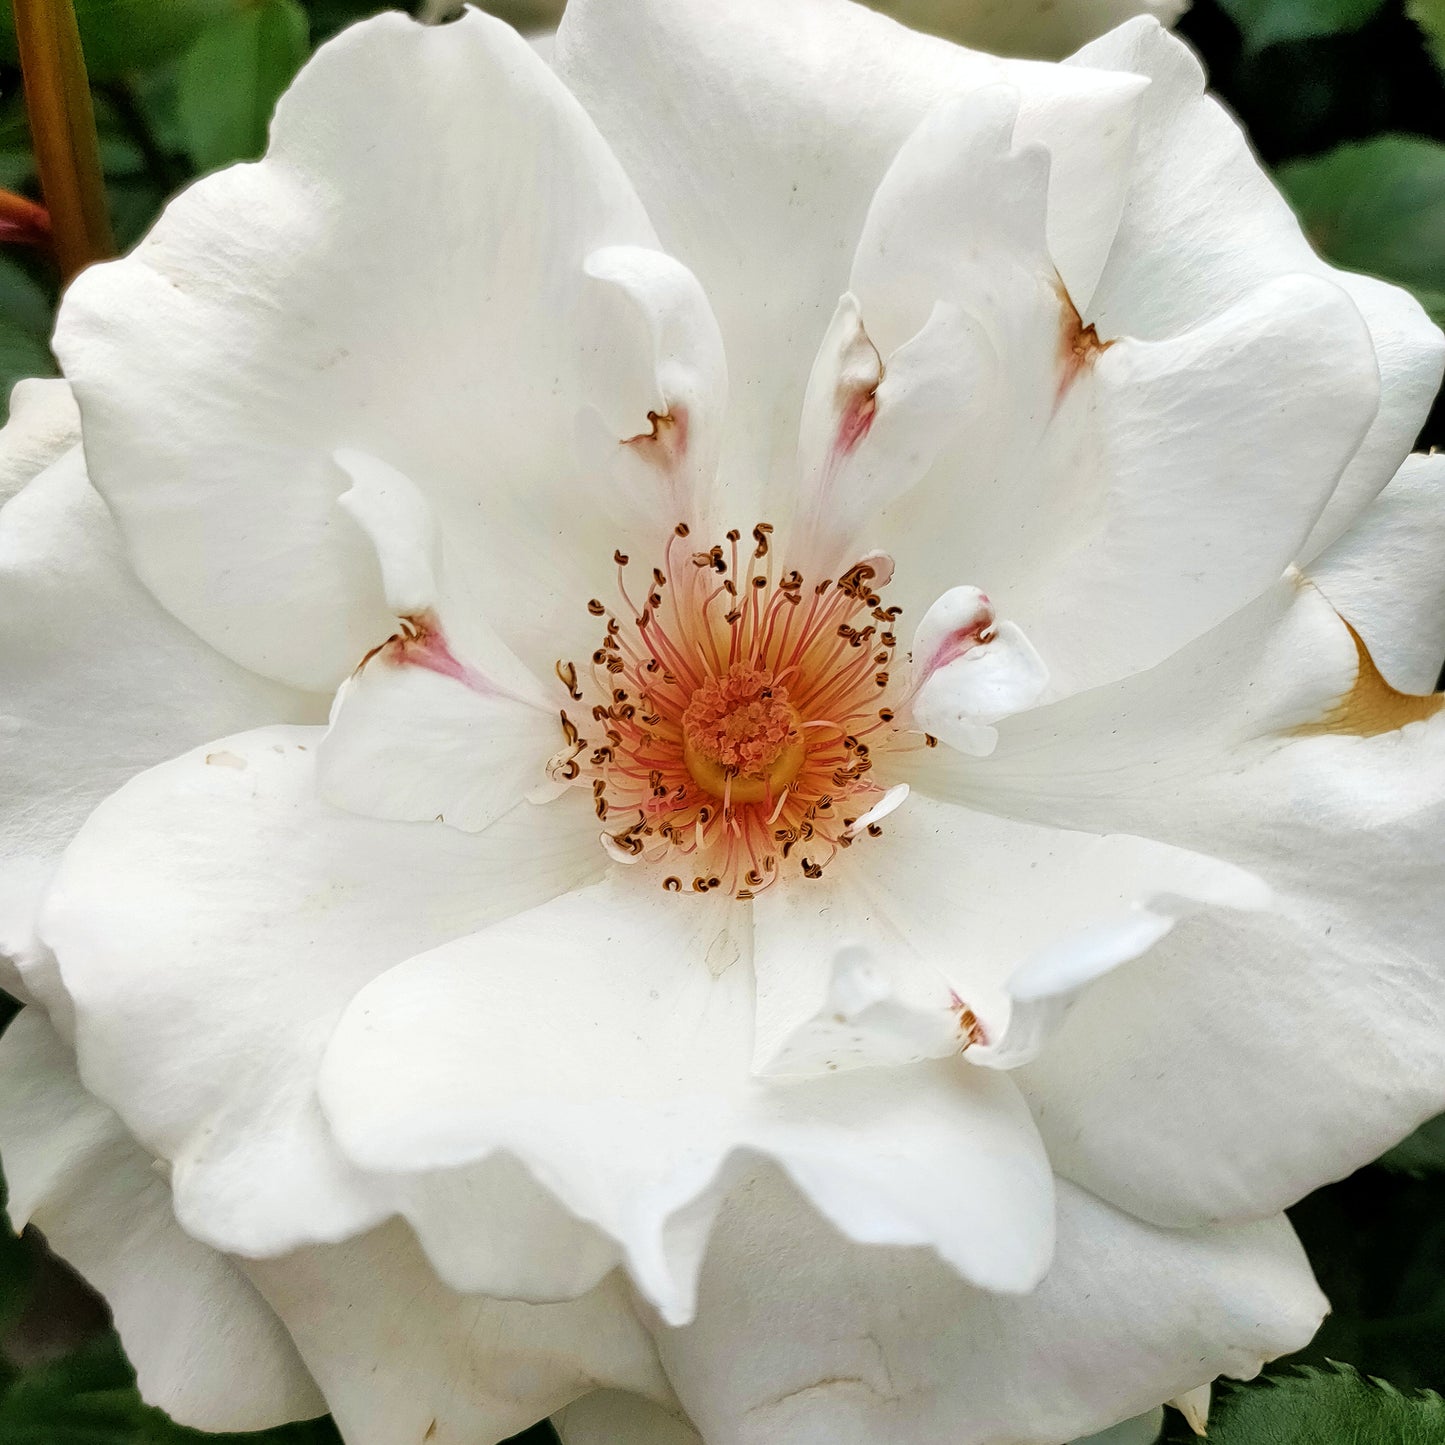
x: 733, y: 731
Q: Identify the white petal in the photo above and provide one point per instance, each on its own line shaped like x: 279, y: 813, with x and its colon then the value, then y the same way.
x: 960, y: 931
x: 442, y: 721
x: 1142, y: 1429
x: 608, y: 1417
x: 1328, y: 1005
x: 970, y: 671
x: 1194, y: 1406
x: 1203, y: 225
x: 1175, y: 482
x: 206, y: 1348
x: 672, y: 379
x: 1386, y: 578
x: 401, y: 276
x: 96, y: 681
x: 400, y: 1357
x: 1098, y: 485
x: 961, y: 216
x: 394, y: 514
x: 806, y: 1338
x: 794, y: 113
x: 1220, y: 447
x: 604, y: 1039
x: 866, y: 1018
x: 43, y: 425
x: 214, y: 916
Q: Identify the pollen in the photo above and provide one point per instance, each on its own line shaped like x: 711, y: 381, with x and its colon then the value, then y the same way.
x: 733, y: 715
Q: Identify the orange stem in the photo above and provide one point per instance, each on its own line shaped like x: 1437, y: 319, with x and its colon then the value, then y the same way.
x: 62, y: 131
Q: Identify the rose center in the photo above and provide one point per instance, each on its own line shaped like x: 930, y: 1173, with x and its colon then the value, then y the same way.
x: 741, y: 737
x: 727, y: 723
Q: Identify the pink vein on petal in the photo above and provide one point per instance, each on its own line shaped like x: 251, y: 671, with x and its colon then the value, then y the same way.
x: 963, y: 639
x: 421, y: 643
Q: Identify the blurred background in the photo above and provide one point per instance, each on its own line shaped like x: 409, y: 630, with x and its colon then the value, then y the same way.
x: 1345, y: 102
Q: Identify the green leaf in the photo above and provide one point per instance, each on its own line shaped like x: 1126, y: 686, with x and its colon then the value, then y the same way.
x: 1266, y: 22
x: 1423, y: 1153
x: 231, y: 78
x: 25, y: 324
x: 1429, y: 15
x: 121, y: 36
x: 1378, y: 207
x: 1334, y: 1406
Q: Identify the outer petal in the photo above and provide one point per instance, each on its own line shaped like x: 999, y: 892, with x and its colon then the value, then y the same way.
x: 401, y: 1358
x: 214, y: 917
x: 1330, y: 1005
x: 1203, y: 225
x: 205, y: 1346
x: 803, y: 1337
x: 44, y: 424
x: 608, y: 1417
x: 96, y: 681
x: 1142, y: 1429
x: 794, y: 112
x: 604, y: 1039
x: 1385, y: 575
x: 402, y: 275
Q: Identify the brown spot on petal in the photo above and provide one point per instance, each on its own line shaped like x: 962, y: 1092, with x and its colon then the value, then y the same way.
x: 1371, y: 706
x: 1079, y: 345
x: 431, y: 1431
x: 666, y: 444
x: 970, y: 1030
x: 225, y: 760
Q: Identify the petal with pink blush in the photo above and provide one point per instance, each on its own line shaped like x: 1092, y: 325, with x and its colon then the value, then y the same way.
x: 441, y: 721
x: 970, y: 670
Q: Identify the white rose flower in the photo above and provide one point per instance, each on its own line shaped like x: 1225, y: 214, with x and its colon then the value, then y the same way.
x: 855, y: 867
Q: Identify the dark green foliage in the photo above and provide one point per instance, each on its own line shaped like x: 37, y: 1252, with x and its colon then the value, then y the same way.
x: 231, y: 77
x: 1331, y: 1406
x: 1378, y: 206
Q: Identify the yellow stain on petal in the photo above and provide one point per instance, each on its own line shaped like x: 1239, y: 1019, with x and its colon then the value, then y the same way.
x: 1371, y: 706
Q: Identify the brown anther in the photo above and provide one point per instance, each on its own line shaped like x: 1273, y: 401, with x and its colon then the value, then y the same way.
x: 567, y: 675
x: 595, y: 607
